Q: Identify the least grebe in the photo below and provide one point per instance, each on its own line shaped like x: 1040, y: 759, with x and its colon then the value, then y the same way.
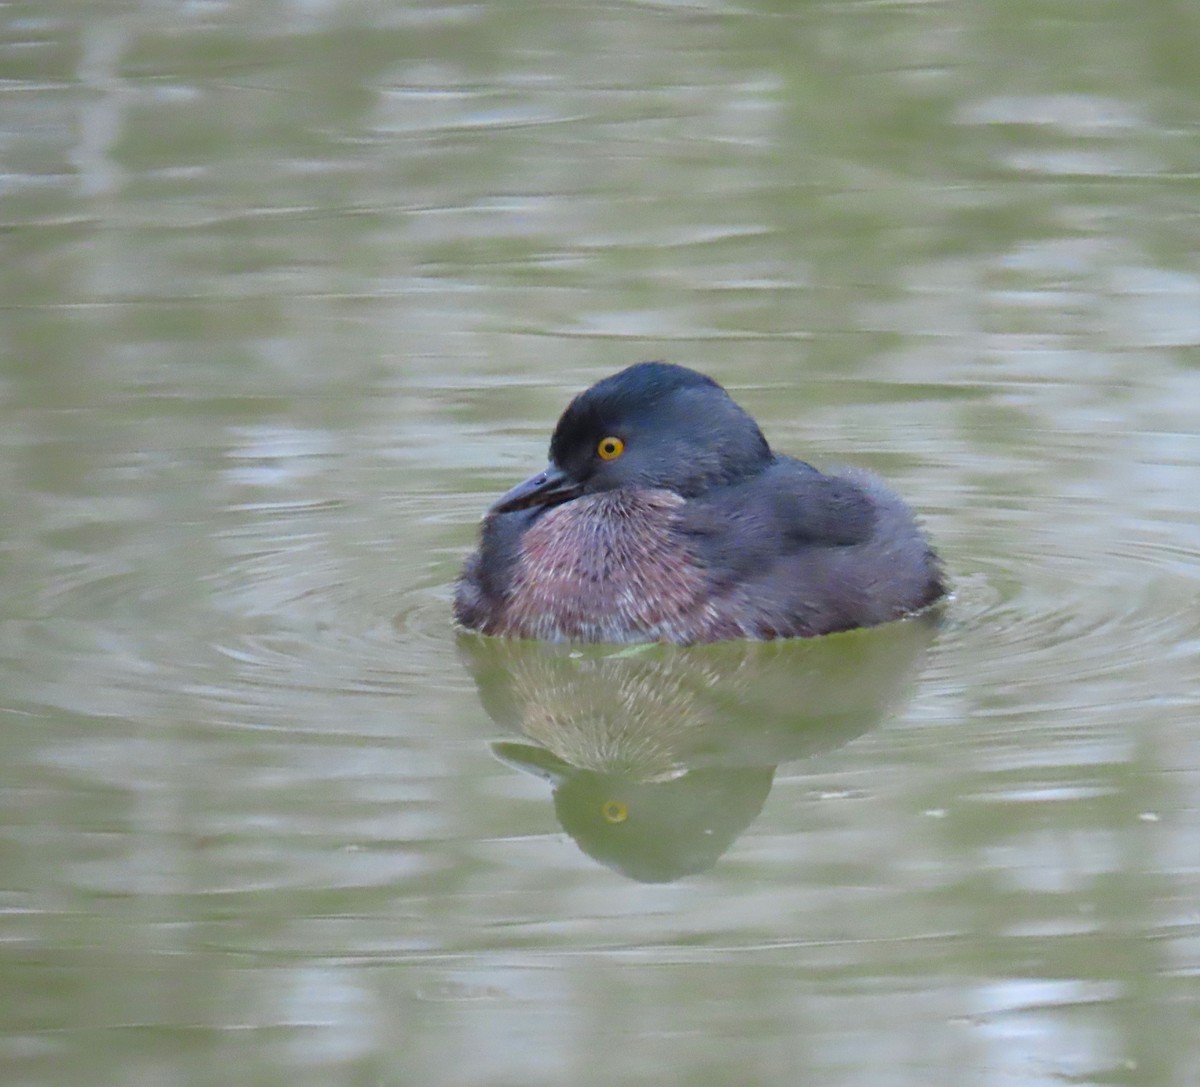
x: 665, y: 516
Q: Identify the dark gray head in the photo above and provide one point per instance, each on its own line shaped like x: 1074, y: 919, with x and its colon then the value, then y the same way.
x: 651, y: 425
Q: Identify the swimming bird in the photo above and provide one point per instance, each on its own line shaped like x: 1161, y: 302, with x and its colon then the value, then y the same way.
x: 665, y: 516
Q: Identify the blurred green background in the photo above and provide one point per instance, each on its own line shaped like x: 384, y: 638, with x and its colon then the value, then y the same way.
x: 290, y: 290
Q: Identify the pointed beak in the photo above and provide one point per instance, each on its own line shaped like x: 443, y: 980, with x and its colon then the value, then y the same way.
x: 549, y: 487
x: 533, y: 760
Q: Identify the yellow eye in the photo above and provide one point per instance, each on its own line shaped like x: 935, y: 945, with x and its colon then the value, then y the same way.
x: 614, y: 811
x: 610, y: 448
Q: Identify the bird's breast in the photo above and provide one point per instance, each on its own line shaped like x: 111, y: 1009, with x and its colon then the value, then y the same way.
x: 610, y: 567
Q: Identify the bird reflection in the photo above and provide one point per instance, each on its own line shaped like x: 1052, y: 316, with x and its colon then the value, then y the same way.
x: 659, y: 757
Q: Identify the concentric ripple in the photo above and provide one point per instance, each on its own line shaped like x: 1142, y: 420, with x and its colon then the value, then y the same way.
x: 1057, y: 617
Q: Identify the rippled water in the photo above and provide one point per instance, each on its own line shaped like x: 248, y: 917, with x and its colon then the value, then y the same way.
x: 290, y: 292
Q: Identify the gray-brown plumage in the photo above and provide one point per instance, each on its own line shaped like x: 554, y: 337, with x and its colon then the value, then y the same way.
x: 665, y: 516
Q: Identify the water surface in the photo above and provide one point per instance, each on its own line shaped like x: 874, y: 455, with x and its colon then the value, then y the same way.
x: 290, y: 292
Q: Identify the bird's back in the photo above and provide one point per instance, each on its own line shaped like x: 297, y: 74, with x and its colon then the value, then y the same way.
x: 798, y: 552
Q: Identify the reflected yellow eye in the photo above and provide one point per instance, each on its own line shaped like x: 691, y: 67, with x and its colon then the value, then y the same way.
x: 614, y: 811
x: 610, y: 448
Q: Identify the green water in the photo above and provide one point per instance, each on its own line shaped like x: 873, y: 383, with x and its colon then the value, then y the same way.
x: 290, y: 291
